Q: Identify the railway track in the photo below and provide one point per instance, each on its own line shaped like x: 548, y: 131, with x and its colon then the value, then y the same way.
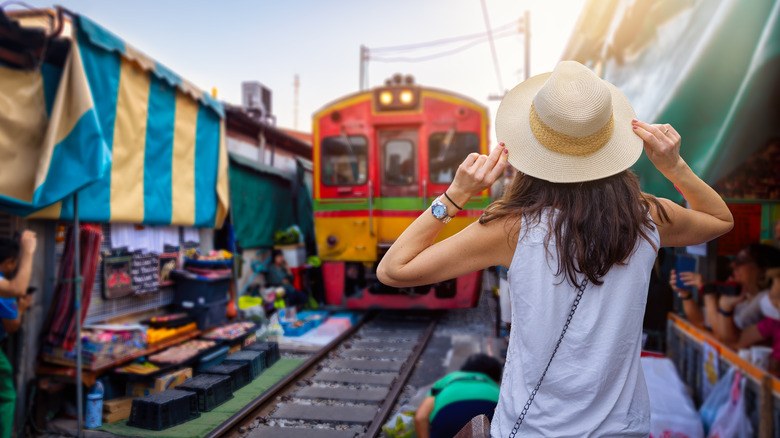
x: 346, y: 390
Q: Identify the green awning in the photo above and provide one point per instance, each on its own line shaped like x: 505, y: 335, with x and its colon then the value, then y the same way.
x: 708, y: 67
x: 265, y: 200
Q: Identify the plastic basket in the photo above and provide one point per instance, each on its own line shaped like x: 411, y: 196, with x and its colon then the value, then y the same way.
x: 271, y: 350
x: 212, y: 390
x: 208, y: 264
x: 293, y: 331
x: 197, y: 289
x: 164, y: 409
x: 214, y: 358
x: 316, y: 317
x: 169, y: 321
x: 240, y: 373
x: 255, y: 359
x: 206, y: 315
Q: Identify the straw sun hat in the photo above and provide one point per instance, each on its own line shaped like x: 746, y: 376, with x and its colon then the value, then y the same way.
x: 568, y: 126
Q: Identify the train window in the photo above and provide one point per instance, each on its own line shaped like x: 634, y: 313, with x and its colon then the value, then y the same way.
x: 344, y: 160
x: 446, y: 150
x: 400, y: 163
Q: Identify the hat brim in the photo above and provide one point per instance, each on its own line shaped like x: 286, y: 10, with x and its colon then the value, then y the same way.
x: 530, y: 157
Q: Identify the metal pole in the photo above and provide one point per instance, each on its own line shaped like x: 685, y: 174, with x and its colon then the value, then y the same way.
x: 527, y: 31
x: 362, y: 67
x: 77, y: 310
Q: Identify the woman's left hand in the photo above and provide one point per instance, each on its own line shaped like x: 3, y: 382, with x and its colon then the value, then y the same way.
x: 477, y: 173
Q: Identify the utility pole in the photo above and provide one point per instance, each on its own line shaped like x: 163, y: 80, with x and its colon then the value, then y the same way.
x: 363, y: 72
x: 295, y: 103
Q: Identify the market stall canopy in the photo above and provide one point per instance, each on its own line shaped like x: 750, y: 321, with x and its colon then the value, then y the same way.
x: 708, y: 67
x: 265, y: 200
x: 137, y: 143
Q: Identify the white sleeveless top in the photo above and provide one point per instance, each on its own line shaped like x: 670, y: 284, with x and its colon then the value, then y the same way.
x: 595, y: 386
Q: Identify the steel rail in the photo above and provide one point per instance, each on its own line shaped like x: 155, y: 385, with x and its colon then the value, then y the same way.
x: 384, y: 410
x: 234, y: 420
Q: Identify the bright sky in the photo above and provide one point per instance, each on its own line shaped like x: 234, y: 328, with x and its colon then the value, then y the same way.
x: 221, y: 44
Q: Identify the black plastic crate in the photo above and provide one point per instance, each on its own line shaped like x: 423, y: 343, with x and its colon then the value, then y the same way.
x: 271, y: 350
x: 240, y: 374
x: 255, y: 359
x: 206, y: 315
x: 197, y: 289
x: 164, y: 409
x: 212, y: 390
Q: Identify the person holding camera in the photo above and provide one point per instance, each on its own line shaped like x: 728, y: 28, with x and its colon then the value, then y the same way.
x: 15, y: 270
x: 768, y: 328
x: 730, y: 306
x: 752, y: 304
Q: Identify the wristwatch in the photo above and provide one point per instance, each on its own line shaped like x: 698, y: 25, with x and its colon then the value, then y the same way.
x: 439, y: 211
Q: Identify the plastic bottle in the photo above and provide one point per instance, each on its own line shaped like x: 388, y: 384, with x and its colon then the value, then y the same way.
x: 94, y: 417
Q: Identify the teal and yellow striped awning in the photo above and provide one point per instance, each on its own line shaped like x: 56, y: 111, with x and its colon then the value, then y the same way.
x: 137, y: 142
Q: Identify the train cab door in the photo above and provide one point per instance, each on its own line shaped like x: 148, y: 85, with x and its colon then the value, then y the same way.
x: 399, y: 180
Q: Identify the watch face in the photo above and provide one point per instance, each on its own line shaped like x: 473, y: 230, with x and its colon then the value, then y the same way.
x: 439, y: 210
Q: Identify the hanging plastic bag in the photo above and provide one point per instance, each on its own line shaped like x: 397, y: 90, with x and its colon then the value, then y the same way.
x: 718, y: 397
x: 673, y: 411
x: 732, y: 421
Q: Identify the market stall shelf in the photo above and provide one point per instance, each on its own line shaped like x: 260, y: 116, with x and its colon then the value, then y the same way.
x: 67, y: 369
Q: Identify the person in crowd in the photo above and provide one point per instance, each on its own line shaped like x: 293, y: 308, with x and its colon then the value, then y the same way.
x: 458, y: 397
x: 737, y: 311
x: 16, y: 264
x: 15, y: 269
x: 576, y: 234
x: 707, y: 316
x: 660, y: 301
x: 279, y: 275
x: 768, y: 328
x: 777, y: 234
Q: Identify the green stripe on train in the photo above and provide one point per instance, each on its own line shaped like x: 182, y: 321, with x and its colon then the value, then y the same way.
x: 396, y: 204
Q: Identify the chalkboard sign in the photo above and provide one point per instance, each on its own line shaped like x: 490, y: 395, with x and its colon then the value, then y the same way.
x: 145, y: 272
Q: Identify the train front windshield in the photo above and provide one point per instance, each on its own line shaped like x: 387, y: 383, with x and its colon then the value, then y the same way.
x: 344, y: 160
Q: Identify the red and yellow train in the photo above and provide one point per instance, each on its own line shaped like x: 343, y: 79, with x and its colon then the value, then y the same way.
x: 380, y: 158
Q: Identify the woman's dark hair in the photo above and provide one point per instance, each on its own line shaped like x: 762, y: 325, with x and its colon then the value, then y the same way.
x: 482, y: 363
x: 597, y: 226
x: 9, y: 249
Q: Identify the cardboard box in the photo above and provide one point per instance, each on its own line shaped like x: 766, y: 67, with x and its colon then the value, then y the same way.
x: 160, y: 384
x: 118, y: 404
x: 117, y: 409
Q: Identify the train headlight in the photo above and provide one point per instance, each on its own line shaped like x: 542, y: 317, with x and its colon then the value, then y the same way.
x: 332, y: 240
x: 407, y: 97
x: 386, y: 98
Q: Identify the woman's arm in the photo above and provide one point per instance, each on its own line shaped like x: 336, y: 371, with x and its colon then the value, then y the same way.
x: 708, y: 217
x: 750, y: 336
x: 422, y: 422
x: 415, y: 260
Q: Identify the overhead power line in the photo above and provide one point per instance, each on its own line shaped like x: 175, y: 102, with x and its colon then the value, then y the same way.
x: 439, y: 54
x: 441, y: 41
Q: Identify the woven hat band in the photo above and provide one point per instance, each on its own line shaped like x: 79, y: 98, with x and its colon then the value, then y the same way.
x: 567, y: 144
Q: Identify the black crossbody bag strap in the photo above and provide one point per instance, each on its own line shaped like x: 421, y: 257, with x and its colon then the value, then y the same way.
x: 580, y: 290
